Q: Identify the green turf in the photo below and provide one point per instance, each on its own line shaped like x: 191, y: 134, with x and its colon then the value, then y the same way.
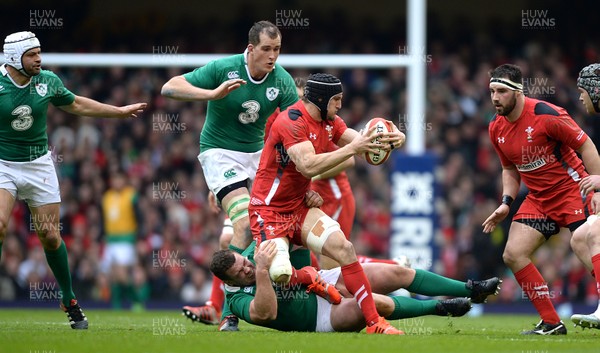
x: 46, y: 331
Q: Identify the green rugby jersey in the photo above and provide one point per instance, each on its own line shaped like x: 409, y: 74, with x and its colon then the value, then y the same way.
x: 23, y: 113
x: 296, y: 309
x: 237, y: 122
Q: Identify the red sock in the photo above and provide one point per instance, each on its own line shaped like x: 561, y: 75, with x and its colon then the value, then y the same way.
x: 299, y: 277
x: 217, y: 295
x: 357, y: 284
x: 596, y: 264
x: 365, y: 259
x: 314, y: 262
x: 532, y: 283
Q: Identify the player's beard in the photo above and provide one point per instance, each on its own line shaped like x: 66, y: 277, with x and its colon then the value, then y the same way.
x: 506, y: 109
x: 32, y: 73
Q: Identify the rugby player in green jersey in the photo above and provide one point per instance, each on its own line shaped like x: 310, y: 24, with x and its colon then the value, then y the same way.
x: 253, y: 298
x: 242, y: 91
x: 26, y: 167
x: 587, y: 236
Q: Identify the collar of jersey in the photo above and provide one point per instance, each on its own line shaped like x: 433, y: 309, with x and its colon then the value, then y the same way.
x: 4, y: 72
x: 248, y: 70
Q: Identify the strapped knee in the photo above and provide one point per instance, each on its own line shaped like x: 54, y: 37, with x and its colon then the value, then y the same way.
x: 281, y: 268
x: 318, y: 234
x: 238, y: 208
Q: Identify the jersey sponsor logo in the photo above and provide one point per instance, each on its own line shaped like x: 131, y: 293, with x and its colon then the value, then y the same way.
x: 272, y: 93
x: 41, y: 89
x: 229, y: 174
x: 1, y: 88
x: 579, y: 211
x: 312, y: 136
x: 531, y: 166
x: 251, y: 114
x: 233, y: 75
x: 24, y: 119
x: 501, y: 140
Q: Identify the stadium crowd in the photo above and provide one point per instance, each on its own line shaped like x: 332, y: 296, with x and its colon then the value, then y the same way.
x: 177, y: 230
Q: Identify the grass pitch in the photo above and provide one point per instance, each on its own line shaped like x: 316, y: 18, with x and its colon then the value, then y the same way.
x: 47, y: 331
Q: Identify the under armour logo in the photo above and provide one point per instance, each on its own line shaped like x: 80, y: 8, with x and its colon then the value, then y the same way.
x: 312, y: 136
x: 579, y: 211
x: 500, y: 139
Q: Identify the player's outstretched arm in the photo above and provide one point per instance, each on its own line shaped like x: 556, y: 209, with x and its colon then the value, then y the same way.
x: 89, y: 107
x: 511, y: 180
x: 180, y: 89
x: 263, y: 307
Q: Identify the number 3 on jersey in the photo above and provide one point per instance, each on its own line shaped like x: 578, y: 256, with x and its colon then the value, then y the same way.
x: 24, y: 119
x: 251, y: 113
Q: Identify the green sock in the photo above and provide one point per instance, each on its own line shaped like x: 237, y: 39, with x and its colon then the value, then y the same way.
x: 59, y: 264
x: 116, y: 293
x: 410, y: 307
x: 226, y: 311
x: 429, y: 283
x: 236, y: 249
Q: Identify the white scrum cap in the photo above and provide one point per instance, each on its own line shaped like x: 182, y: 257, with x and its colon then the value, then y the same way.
x: 15, y: 45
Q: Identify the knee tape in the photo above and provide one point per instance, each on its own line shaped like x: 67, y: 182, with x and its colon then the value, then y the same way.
x: 238, y: 208
x: 281, y: 267
x: 318, y: 234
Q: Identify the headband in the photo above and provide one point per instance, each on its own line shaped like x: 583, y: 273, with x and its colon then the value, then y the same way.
x: 507, y: 83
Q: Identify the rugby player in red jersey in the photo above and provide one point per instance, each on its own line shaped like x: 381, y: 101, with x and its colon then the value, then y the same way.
x: 537, y: 144
x: 295, y: 151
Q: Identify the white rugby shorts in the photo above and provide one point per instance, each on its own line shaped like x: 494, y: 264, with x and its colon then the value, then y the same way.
x: 35, y: 181
x: 323, y: 306
x: 121, y: 254
x: 223, y: 167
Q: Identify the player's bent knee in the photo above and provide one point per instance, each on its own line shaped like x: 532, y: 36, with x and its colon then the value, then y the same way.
x: 50, y: 240
x: 238, y: 208
x: 281, y: 267
x: 320, y: 232
x: 509, y: 257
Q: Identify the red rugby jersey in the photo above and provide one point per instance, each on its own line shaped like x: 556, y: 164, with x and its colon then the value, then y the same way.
x: 278, y: 185
x: 541, y: 144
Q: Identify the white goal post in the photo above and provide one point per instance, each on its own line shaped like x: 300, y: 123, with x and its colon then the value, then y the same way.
x: 415, y: 141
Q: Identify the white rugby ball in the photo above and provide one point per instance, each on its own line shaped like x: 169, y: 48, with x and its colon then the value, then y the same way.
x: 382, y: 155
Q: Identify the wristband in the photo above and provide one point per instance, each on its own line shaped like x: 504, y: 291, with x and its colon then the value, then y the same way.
x: 507, y: 200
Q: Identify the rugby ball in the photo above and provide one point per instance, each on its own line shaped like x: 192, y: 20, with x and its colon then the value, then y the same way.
x: 381, y: 156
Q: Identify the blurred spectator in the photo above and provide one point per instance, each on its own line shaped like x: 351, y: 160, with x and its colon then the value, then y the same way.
x: 197, y: 290
x: 120, y: 213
